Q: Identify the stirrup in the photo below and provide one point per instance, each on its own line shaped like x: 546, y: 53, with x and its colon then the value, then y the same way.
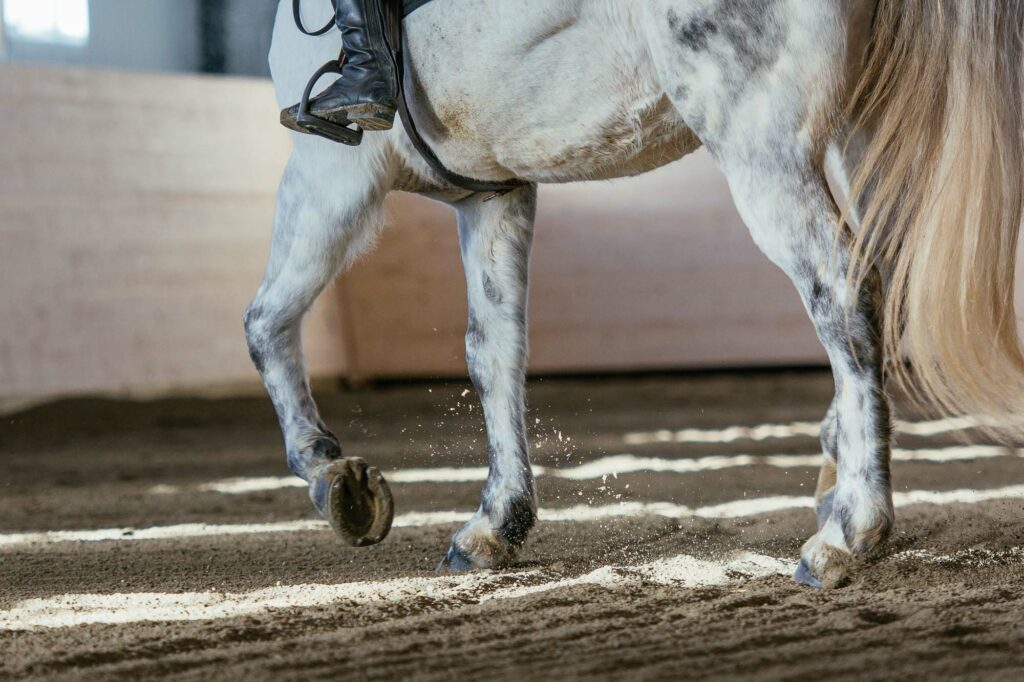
x: 314, y: 125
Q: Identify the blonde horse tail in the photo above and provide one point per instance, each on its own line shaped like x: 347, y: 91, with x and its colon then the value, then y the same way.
x: 939, y: 188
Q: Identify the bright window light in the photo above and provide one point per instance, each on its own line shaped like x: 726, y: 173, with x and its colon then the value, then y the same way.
x: 64, y: 22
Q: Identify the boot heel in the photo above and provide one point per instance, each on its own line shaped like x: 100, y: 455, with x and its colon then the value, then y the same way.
x: 371, y: 116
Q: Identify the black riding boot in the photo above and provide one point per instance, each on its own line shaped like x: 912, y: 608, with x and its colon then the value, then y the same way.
x: 367, y: 92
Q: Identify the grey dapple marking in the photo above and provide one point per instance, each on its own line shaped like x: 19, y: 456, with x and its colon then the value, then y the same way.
x: 571, y: 90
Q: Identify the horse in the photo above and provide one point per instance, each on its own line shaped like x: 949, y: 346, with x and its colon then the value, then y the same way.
x: 912, y: 106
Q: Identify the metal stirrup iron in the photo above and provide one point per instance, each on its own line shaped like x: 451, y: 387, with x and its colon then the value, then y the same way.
x: 321, y: 126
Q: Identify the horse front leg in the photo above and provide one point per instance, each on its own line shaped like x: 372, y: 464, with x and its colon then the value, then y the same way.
x: 495, y: 237
x: 324, y: 218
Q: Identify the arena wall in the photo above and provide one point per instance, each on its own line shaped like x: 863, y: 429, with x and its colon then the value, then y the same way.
x: 135, y: 212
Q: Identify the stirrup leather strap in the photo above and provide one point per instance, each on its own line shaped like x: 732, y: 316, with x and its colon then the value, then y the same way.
x: 297, y: 15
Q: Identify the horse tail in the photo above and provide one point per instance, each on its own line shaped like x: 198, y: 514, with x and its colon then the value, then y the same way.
x: 939, y: 189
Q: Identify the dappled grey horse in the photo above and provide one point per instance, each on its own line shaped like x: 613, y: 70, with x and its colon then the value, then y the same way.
x: 913, y: 105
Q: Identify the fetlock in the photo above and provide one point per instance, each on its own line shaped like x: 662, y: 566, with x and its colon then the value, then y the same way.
x: 315, y: 451
x: 495, y: 534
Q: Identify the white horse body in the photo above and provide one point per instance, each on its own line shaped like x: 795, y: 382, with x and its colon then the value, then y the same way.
x: 567, y: 90
x: 500, y: 113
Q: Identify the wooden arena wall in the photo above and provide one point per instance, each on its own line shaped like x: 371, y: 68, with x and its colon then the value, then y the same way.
x: 135, y: 213
x: 135, y: 216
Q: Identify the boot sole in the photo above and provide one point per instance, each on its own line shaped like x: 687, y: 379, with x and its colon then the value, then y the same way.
x: 370, y: 116
x: 366, y: 116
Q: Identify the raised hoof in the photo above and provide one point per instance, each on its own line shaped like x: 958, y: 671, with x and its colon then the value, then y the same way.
x: 355, y: 499
x: 804, y: 576
x: 456, y: 561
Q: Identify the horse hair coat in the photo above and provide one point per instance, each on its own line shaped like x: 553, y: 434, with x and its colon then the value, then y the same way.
x: 913, y: 105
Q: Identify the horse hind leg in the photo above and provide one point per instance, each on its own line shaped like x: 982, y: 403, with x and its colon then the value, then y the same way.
x: 495, y: 238
x: 762, y: 99
x: 793, y: 220
x: 844, y: 154
x: 324, y: 218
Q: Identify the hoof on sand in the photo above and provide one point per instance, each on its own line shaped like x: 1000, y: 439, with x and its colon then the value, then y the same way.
x: 823, y: 566
x: 804, y: 576
x: 355, y: 499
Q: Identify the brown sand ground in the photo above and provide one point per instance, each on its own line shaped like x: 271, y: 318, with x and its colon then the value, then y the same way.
x: 92, y: 464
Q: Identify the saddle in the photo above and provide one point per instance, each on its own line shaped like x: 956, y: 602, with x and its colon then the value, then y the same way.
x: 395, y: 13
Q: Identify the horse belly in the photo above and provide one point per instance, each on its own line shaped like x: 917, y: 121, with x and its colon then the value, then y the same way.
x: 548, y: 92
x: 624, y: 144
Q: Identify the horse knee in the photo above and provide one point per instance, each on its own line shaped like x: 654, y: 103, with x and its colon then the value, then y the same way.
x: 264, y: 331
x: 253, y: 323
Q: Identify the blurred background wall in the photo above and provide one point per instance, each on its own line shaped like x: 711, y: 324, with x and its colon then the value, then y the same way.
x: 214, y: 36
x: 150, y: 35
x: 138, y: 167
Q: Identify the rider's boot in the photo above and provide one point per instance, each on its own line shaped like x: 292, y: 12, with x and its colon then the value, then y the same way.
x: 367, y: 92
